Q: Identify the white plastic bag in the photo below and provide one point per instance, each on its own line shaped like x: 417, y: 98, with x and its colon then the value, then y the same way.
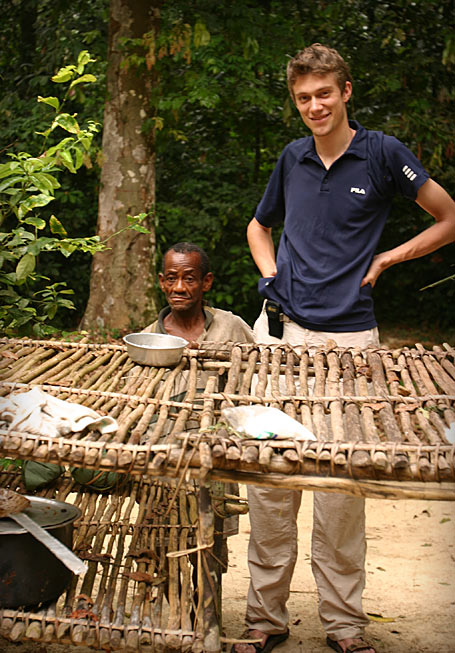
x: 449, y: 432
x: 263, y: 422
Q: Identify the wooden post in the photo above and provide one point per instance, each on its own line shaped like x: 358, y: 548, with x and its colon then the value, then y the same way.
x: 208, y: 572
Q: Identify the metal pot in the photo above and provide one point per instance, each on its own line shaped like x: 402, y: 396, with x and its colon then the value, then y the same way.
x: 156, y: 349
x: 29, y: 573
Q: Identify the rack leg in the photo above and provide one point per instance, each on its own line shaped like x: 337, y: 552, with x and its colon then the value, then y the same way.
x: 210, y: 573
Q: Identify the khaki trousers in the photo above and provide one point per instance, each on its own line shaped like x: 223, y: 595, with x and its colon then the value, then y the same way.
x: 338, y: 539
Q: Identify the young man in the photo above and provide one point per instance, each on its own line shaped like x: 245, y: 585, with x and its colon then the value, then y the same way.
x: 333, y: 190
x: 185, y: 278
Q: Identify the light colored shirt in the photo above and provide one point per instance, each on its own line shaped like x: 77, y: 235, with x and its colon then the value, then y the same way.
x: 219, y: 326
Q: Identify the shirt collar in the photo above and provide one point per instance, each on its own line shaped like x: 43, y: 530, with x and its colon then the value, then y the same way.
x: 357, y: 147
x: 208, y: 312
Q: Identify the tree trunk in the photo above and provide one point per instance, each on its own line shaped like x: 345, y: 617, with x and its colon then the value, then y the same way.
x: 122, y: 279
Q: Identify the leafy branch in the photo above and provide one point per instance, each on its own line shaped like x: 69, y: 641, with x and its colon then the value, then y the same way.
x: 28, y: 184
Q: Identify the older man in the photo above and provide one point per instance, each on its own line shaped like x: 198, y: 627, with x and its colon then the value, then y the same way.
x: 185, y: 278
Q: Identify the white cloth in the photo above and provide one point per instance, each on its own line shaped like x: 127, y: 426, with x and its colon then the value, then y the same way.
x: 39, y: 413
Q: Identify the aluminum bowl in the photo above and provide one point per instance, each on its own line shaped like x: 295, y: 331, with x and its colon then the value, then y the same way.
x: 156, y: 349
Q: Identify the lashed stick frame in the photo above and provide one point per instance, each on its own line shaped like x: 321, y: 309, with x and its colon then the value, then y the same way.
x: 379, y: 416
x: 136, y: 595
x: 381, y: 419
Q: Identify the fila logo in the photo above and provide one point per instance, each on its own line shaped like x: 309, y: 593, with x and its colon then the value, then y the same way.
x: 358, y: 191
x: 410, y: 174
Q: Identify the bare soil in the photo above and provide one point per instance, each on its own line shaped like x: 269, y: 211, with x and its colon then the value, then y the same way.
x: 410, y: 587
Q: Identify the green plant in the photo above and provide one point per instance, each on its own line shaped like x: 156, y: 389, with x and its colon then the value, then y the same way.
x: 437, y: 283
x: 28, y: 183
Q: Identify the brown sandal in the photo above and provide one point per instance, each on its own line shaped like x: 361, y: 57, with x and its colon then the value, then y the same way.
x: 362, y: 645
x: 270, y: 642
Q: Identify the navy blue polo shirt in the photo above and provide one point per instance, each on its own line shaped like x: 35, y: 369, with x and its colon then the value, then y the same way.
x: 333, y: 220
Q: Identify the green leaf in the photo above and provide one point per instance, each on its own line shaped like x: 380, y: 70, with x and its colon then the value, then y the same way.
x: 139, y: 228
x: 56, y: 226
x: 19, y: 237
x: 86, y: 141
x: 36, y: 222
x: 52, y: 101
x: 201, y: 35
x: 67, y: 122
x: 134, y: 219
x: 79, y: 158
x: 33, y: 164
x: 7, y: 168
x: 64, y: 74
x: 25, y: 267
x: 82, y: 60
x: 288, y: 111
x: 84, y: 78
x: 31, y: 202
x: 67, y: 248
x: 9, y: 279
x: 57, y: 148
x: 51, y: 310
x: 11, y: 182
x: 67, y: 160
x: 48, y: 181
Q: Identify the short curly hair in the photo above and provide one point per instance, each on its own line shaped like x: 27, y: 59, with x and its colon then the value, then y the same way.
x: 185, y: 247
x: 320, y: 60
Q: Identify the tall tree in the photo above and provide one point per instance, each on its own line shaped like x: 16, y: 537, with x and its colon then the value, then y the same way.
x: 122, y: 280
x: 223, y: 115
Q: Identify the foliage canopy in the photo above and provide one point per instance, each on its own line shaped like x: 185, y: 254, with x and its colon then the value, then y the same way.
x: 222, y: 116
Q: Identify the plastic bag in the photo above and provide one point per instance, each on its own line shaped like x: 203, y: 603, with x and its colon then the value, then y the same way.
x: 263, y: 422
x: 449, y: 433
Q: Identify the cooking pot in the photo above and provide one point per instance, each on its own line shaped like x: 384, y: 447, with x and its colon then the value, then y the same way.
x: 29, y: 573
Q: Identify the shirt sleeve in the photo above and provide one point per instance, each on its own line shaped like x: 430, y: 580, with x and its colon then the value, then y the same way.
x: 228, y: 327
x: 271, y: 209
x: 151, y: 328
x: 406, y: 171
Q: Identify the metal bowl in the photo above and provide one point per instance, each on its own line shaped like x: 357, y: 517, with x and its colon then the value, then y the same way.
x: 156, y: 349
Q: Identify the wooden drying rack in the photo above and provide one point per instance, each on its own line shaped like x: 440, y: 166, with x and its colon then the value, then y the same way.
x: 381, y: 419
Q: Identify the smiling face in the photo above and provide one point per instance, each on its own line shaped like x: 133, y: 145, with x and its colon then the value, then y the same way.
x: 182, y: 281
x: 321, y: 103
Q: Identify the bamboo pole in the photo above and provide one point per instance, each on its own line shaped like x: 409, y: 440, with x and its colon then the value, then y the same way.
x: 208, y: 571
x: 367, y: 489
x: 303, y: 382
x: 319, y: 420
x: 353, y: 417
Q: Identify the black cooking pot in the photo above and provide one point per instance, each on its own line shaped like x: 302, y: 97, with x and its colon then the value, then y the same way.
x: 29, y: 573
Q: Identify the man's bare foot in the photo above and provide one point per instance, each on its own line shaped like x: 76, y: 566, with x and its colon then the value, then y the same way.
x: 350, y: 645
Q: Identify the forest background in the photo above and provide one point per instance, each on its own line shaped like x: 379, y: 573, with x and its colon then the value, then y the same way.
x: 180, y: 132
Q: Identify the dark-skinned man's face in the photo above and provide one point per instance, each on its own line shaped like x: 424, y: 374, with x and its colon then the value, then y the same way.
x: 182, y: 281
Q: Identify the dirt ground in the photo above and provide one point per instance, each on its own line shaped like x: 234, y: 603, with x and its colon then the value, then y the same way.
x: 410, y: 587
x: 410, y: 592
